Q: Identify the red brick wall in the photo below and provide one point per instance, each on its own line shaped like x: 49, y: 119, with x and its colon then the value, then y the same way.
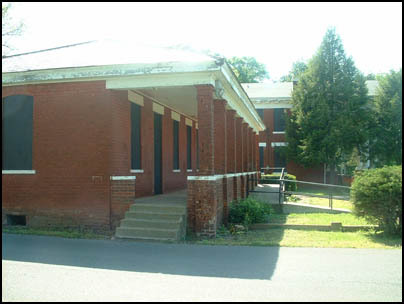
x: 81, y: 136
x: 305, y: 174
x: 71, y: 144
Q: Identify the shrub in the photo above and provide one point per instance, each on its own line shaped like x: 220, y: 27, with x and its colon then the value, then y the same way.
x: 377, y: 196
x: 249, y: 211
x: 274, y: 179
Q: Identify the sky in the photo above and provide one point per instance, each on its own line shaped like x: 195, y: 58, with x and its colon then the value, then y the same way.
x: 276, y: 34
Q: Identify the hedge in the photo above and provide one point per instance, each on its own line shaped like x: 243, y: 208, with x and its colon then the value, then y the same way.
x: 274, y: 179
x: 377, y: 195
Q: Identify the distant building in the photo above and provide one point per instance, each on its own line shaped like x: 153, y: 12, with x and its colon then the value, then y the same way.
x: 271, y: 100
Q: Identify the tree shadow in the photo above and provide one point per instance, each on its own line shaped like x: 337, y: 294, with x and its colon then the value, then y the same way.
x: 385, y: 239
x: 179, y: 259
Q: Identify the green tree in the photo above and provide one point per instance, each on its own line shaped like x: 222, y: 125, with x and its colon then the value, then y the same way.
x: 248, y: 69
x: 9, y: 28
x: 386, y: 143
x: 329, y: 114
x: 298, y: 68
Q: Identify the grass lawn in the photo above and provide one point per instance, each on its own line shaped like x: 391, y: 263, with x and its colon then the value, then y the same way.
x: 66, y: 233
x: 317, y: 219
x: 318, y: 201
x: 302, y: 238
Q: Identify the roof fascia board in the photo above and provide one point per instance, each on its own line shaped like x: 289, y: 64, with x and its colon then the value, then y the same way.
x: 164, y: 80
x: 103, y: 72
x: 280, y: 105
x: 236, y: 96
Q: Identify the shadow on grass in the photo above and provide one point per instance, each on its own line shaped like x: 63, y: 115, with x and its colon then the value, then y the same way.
x: 385, y: 239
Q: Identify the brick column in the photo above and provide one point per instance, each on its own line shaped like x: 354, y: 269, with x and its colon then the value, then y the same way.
x: 231, y: 141
x: 205, y: 192
x: 122, y: 196
x: 220, y: 128
x: 239, y: 158
x: 206, y: 129
x: 244, y: 159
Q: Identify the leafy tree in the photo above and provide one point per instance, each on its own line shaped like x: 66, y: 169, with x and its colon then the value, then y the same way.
x: 9, y: 28
x: 298, y: 68
x: 248, y: 69
x: 329, y: 114
x: 386, y: 144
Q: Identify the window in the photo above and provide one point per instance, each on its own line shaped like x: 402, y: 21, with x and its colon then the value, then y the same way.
x: 261, y: 157
x: 189, y: 138
x: 279, y: 158
x: 279, y: 120
x: 176, y: 159
x: 261, y: 113
x: 135, y: 137
x: 17, y: 125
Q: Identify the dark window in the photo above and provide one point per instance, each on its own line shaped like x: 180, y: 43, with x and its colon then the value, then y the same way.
x: 197, y: 149
x: 189, y: 138
x: 261, y: 157
x: 261, y: 113
x: 16, y: 220
x: 279, y: 120
x: 17, y: 132
x: 280, y: 159
x: 176, y: 159
x: 135, y: 137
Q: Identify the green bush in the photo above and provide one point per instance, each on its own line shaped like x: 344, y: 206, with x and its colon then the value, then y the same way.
x: 274, y: 179
x: 377, y: 196
x: 249, y: 211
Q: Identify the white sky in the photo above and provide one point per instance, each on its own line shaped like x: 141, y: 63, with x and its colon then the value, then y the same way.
x: 276, y: 34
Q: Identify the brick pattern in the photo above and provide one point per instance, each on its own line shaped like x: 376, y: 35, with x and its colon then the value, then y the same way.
x: 231, y: 141
x: 206, y: 129
x: 122, y: 196
x: 228, y: 196
x: 220, y: 132
x: 205, y: 206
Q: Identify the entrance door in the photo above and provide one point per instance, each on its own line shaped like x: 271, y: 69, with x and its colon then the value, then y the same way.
x: 158, y: 181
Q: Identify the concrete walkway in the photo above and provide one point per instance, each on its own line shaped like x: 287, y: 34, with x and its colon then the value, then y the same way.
x: 38, y: 268
x: 171, y: 198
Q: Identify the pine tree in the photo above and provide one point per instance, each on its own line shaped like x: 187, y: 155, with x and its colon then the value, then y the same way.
x: 330, y: 114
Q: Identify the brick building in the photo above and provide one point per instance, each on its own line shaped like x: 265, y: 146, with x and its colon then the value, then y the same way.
x: 271, y: 101
x: 88, y: 128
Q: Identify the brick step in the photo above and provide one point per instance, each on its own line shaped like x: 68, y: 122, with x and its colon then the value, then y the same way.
x: 153, y: 215
x: 147, y: 233
x: 159, y: 208
x: 152, y: 223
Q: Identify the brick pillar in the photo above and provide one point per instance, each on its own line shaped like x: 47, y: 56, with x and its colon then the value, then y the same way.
x: 205, y: 192
x: 206, y: 129
x: 244, y: 159
x: 231, y: 141
x: 239, y: 158
x: 220, y: 129
x: 220, y: 124
x: 122, y: 196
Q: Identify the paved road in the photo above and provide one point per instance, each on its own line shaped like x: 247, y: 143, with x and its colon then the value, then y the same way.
x: 38, y: 268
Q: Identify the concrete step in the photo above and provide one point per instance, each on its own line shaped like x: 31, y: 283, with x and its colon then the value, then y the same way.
x: 160, y: 208
x: 152, y: 223
x: 153, y: 215
x: 147, y: 233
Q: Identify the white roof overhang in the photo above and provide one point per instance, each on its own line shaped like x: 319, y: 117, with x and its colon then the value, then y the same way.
x: 152, y: 75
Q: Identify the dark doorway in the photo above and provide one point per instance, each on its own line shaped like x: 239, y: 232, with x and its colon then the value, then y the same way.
x: 158, y: 181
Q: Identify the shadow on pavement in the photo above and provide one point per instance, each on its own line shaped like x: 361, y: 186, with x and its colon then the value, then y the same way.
x: 179, y: 259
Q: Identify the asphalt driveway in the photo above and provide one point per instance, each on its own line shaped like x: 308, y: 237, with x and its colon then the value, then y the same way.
x: 39, y: 268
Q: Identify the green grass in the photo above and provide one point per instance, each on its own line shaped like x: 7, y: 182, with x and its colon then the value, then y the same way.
x: 317, y: 219
x: 324, y: 202
x: 66, y: 233
x: 302, y: 238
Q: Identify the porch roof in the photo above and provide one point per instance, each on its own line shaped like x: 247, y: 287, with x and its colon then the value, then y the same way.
x: 140, y: 68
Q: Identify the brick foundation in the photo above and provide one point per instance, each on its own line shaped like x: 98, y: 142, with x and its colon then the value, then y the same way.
x: 205, y: 204
x: 122, y: 196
